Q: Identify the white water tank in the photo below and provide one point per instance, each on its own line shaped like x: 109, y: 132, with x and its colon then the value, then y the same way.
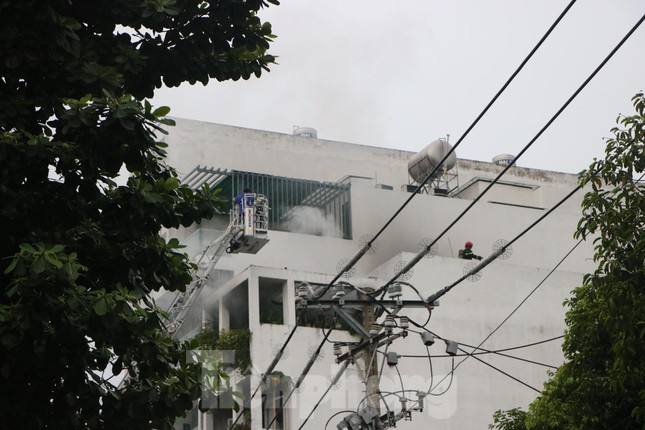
x: 503, y: 159
x: 305, y: 132
x: 425, y: 161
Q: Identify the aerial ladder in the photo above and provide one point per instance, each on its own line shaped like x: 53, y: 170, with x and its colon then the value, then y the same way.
x: 247, y: 233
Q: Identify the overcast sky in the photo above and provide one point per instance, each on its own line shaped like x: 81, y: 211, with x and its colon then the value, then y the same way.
x: 401, y: 73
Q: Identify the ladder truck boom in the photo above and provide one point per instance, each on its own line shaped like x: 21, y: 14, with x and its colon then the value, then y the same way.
x: 247, y: 233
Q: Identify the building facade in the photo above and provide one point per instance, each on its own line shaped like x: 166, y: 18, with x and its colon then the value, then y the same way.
x: 327, y: 200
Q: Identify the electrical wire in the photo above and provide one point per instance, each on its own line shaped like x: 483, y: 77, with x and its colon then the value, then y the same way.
x: 496, y: 352
x: 421, y: 254
x: 336, y: 414
x: 384, y: 403
x: 384, y: 394
x: 451, y: 373
x: 502, y: 372
x: 272, y: 365
x: 331, y: 384
x: 528, y: 345
x: 382, y: 361
x: 275, y: 360
x: 366, y: 370
x: 429, y: 391
x: 517, y: 307
x: 531, y: 293
x: 387, y: 311
x: 522, y: 302
x: 369, y: 244
x: 498, y: 252
x: 407, y: 284
x: 302, y: 376
x: 396, y: 367
x: 621, y: 422
x: 487, y: 352
x: 430, y: 363
x: 472, y: 353
x: 508, y: 317
x: 526, y: 360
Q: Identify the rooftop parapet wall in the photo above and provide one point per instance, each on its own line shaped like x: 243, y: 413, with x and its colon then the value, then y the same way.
x: 472, y: 168
x: 427, y: 216
x: 193, y: 143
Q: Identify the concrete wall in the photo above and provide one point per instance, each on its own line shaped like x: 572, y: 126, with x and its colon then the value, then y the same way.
x: 470, y: 312
x: 193, y: 142
x: 467, y: 314
x: 428, y: 216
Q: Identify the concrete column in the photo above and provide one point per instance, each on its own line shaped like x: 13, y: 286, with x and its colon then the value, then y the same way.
x: 289, y: 301
x: 254, y: 299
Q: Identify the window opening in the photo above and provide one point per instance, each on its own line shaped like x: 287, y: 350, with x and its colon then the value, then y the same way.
x: 271, y: 293
x: 236, y: 303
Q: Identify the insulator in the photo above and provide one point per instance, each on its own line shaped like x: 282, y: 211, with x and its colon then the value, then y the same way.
x: 420, y: 396
x: 427, y: 338
x: 395, y: 291
x: 404, y: 322
x: 337, y: 349
x: 452, y: 347
x: 302, y: 292
x: 404, y: 403
x: 339, y: 292
x: 374, y: 329
x: 389, y: 323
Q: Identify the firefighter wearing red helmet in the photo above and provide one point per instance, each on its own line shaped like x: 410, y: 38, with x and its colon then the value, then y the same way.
x: 467, y: 253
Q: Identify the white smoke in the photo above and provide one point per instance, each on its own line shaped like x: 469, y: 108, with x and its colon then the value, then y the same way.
x: 310, y: 220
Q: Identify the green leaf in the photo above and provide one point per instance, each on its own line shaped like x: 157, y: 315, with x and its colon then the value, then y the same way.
x: 51, y: 259
x: 101, y: 306
x: 78, y: 81
x: 25, y: 247
x: 171, y: 183
x: 57, y: 248
x: 161, y: 111
x: 38, y: 266
x: 12, y: 265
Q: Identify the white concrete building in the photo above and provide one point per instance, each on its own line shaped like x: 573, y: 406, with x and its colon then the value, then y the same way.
x: 327, y: 199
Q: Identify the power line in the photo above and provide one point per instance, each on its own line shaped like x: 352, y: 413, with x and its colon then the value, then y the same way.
x: 488, y: 260
x: 524, y: 300
x: 421, y: 254
x: 468, y: 355
x: 531, y: 293
x: 487, y: 351
x: 532, y: 225
x: 484, y: 351
x: 502, y: 372
x: 539, y: 342
x: 369, y: 244
x: 336, y: 414
x: 333, y: 382
x: 501, y: 354
x: 302, y: 376
x: 498, y: 252
x: 272, y: 365
x: 517, y: 307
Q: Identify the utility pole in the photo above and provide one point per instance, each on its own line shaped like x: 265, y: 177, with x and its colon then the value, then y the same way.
x: 373, y: 336
x: 373, y: 398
